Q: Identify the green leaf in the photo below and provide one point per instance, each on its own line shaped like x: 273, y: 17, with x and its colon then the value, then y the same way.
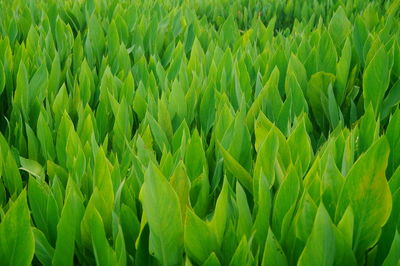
x: 272, y: 96
x: 265, y: 162
x: 273, y: 253
x: 331, y: 184
x: 376, y: 79
x: 11, y: 176
x: 2, y: 192
x: 300, y: 147
x: 54, y: 77
x: 94, y: 201
x: 229, y: 32
x: 342, y: 72
x: 320, y: 247
x: 244, y: 221
x: 393, y: 136
x: 181, y: 184
x: 285, y: 199
x: 162, y: 209
x: 164, y: 120
x: 339, y: 26
x: 63, y: 132
x: 240, y: 146
x: 38, y: 83
x: 296, y: 68
x: 212, y: 260
x: 221, y: 214
x: 38, y: 194
x: 262, y: 219
x: 130, y: 226
x: 96, y: 36
x: 207, y: 109
x: 304, y: 219
x: 295, y: 95
x: 327, y: 55
x: 360, y: 35
x: 177, y: 103
x: 389, y: 230
x: 318, y: 90
x: 262, y: 128
x: 343, y: 252
x: 369, y: 130
x: 21, y: 95
x: 120, y: 247
x: 142, y: 252
x: 2, y: 78
x: 346, y: 225
x: 102, y: 180
x: 43, y: 250
x: 334, y: 114
x: 199, y: 194
x: 102, y: 251
x: 45, y: 137
x: 393, y: 257
x: 236, y: 169
x: 32, y: 167
x: 86, y: 83
x: 391, y: 100
x: 367, y: 192
x: 16, y: 237
x: 243, y: 254
x: 68, y: 226
x: 195, y: 159
x: 33, y: 143
x: 174, y: 69
x: 159, y: 135
x: 198, y: 232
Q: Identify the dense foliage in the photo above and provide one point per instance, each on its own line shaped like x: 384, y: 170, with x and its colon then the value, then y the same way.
x: 199, y: 132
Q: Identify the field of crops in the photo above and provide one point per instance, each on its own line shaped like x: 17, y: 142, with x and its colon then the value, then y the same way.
x: 199, y: 132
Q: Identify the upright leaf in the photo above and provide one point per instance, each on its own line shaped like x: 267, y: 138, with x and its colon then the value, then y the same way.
x: 273, y: 253
x: 376, y: 80
x: 162, y: 209
x: 68, y: 227
x: 320, y: 247
x: 16, y: 237
x: 367, y: 192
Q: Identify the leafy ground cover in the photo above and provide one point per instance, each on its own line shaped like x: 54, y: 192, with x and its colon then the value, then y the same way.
x: 199, y: 132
